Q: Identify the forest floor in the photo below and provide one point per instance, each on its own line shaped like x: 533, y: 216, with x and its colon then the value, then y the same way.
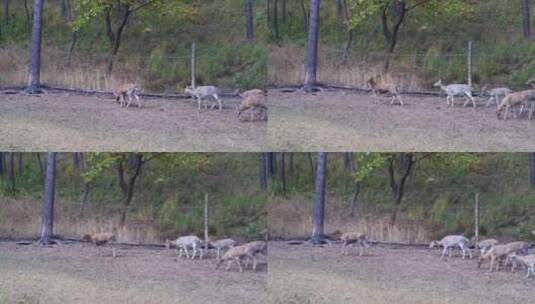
x: 308, y: 274
x: 72, y: 274
x: 64, y: 122
x: 350, y: 121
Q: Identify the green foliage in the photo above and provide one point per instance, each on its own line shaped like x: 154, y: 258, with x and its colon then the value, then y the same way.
x: 367, y: 164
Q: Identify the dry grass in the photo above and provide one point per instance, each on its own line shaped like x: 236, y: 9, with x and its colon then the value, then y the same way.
x: 286, y: 67
x: 291, y: 218
x: 88, y: 72
x: 21, y: 219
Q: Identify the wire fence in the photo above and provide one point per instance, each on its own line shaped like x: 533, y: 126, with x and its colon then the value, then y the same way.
x: 411, y: 72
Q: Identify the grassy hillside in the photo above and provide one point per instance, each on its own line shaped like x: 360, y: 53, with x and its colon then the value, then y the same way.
x: 439, y: 197
x: 432, y: 43
x: 168, y: 196
x: 155, y: 49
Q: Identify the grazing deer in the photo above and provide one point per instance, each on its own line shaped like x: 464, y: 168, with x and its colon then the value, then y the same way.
x: 354, y: 238
x: 524, y: 99
x: 388, y: 87
x: 496, y: 94
x: 99, y: 239
x: 453, y: 90
x: 203, y: 92
x: 127, y: 91
x: 255, y: 104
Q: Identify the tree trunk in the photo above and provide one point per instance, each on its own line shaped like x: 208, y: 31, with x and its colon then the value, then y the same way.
x: 74, y: 39
x: 272, y: 162
x: 398, y: 187
x: 268, y: 13
x: 532, y: 169
x: 28, y: 15
x: 263, y: 171
x: 339, y: 12
x: 349, y: 42
x: 20, y: 163
x: 1, y: 163
x: 11, y: 173
x: 115, y: 37
x: 284, y: 7
x: 34, y: 67
x: 311, y: 163
x: 48, y: 199
x: 275, y: 18
x: 63, y: 9
x: 6, y: 12
x: 249, y: 20
x: 291, y: 166
x: 319, y: 199
x: 526, y: 20
x: 312, y: 46
x: 128, y: 189
x: 85, y: 196
x: 283, y: 171
x: 41, y: 169
x: 305, y: 14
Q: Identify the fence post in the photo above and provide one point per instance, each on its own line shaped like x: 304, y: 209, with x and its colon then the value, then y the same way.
x: 470, y: 63
x: 206, y: 222
x: 193, y: 65
x: 476, y: 214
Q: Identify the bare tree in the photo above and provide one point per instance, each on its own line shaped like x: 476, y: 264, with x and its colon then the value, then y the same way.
x: 34, y: 67
x: 283, y: 171
x: 319, y: 199
x: 526, y: 20
x: 128, y: 188
x: 312, y: 46
x: 406, y: 162
x: 249, y: 20
x: 47, y: 224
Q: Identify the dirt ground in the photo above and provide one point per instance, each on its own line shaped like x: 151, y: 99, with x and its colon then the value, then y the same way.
x: 72, y: 274
x: 63, y: 122
x: 350, y: 121
x: 307, y: 274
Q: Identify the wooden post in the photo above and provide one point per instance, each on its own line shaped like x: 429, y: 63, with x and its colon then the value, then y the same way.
x: 469, y: 63
x: 206, y: 222
x: 193, y: 65
x: 476, y: 221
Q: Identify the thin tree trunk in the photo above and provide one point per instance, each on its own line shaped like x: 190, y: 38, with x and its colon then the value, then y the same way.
x: 28, y: 15
x: 284, y: 12
x: 319, y: 199
x: 263, y: 171
x: 398, y: 188
x: 349, y: 42
x: 128, y: 189
x: 311, y: 163
x: 20, y: 163
x: 339, y: 12
x: 34, y: 67
x: 63, y: 9
x: 291, y: 166
x: 526, y: 20
x: 532, y: 169
x: 47, y: 225
x: 74, y: 39
x: 312, y: 46
x: 305, y: 14
x: 268, y: 13
x: 41, y: 169
x: 1, y: 163
x: 85, y: 196
x: 272, y: 162
x: 6, y: 12
x: 276, y: 19
x: 283, y: 171
x: 249, y: 20
x: 115, y: 37
x: 11, y: 173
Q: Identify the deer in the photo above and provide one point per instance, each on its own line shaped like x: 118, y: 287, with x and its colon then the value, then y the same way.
x: 127, y: 91
x: 378, y: 87
x: 203, y: 92
x: 453, y: 90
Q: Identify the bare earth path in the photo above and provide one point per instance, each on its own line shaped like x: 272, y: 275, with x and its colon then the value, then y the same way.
x: 384, y: 275
x: 71, y: 274
x: 64, y: 122
x: 339, y: 121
